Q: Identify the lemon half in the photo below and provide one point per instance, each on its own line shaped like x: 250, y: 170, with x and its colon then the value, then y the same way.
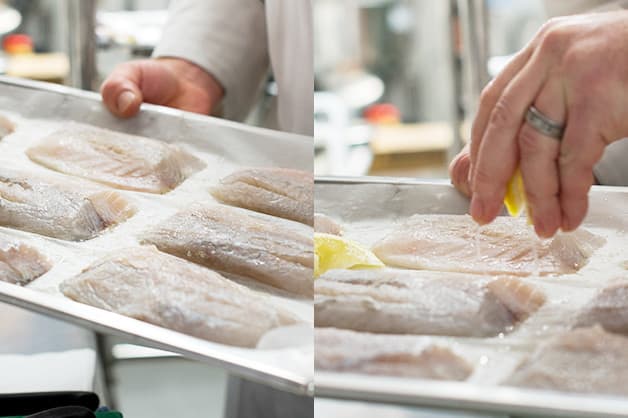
x: 515, y: 199
x: 334, y: 252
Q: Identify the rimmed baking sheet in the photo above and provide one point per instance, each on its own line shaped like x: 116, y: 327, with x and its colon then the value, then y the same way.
x: 285, y: 359
x: 369, y: 208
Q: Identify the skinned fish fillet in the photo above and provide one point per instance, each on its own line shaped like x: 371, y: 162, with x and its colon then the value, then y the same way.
x: 280, y: 192
x: 167, y: 291
x: 326, y: 225
x: 115, y: 159
x: 608, y: 308
x: 586, y: 360
x: 506, y: 246
x: 398, y: 355
x: 410, y: 302
x: 270, y: 250
x: 69, y: 211
x: 20, y: 264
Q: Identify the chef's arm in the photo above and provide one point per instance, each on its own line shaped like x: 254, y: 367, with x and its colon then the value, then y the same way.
x: 227, y: 39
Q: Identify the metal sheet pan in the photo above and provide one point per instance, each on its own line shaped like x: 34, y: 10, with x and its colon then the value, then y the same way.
x: 364, y: 201
x: 233, y: 145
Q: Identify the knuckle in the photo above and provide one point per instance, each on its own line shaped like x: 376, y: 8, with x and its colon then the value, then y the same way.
x: 553, y: 41
x: 488, y: 95
x: 502, y: 114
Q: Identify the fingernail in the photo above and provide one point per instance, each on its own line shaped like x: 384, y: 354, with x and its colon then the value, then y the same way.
x: 125, y: 99
x: 477, y: 209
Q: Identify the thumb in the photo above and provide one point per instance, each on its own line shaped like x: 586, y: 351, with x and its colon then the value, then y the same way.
x: 131, y: 83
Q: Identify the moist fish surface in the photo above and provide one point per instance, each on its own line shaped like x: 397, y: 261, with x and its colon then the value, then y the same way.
x: 416, y: 302
x: 164, y: 290
x: 608, y: 308
x: 505, y: 246
x: 326, y: 225
x: 20, y: 263
x: 275, y: 191
x: 271, y: 250
x: 391, y: 355
x: 118, y: 160
x: 58, y: 208
x: 586, y: 360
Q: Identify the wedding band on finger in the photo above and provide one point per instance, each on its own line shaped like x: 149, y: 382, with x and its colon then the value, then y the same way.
x: 543, y: 124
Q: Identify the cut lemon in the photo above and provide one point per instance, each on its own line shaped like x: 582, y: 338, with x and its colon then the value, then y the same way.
x: 515, y: 199
x: 334, y: 252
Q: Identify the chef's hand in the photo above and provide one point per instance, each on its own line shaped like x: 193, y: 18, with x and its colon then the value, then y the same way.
x: 459, y: 171
x: 170, y: 82
x: 575, y: 72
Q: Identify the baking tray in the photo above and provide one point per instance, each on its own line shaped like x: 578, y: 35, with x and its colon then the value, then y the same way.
x: 287, y: 367
x: 361, y: 201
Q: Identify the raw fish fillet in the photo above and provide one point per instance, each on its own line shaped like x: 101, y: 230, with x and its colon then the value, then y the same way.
x: 115, y: 159
x: 398, y: 355
x: 608, y: 308
x: 506, y: 246
x: 69, y: 211
x: 587, y: 360
x: 270, y: 250
x: 411, y: 302
x: 164, y: 290
x: 19, y: 263
x: 326, y: 225
x: 275, y: 191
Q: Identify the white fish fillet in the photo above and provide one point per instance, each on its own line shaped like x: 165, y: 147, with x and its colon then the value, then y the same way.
x: 270, y: 250
x: 506, y: 246
x: 70, y: 211
x: 608, y: 308
x: 414, y: 302
x: 326, y: 225
x: 115, y: 159
x: 20, y: 263
x: 275, y: 191
x: 392, y: 355
x: 164, y: 290
x: 586, y: 360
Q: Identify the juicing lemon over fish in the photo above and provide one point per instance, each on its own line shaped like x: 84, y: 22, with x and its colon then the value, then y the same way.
x: 515, y: 199
x: 334, y: 252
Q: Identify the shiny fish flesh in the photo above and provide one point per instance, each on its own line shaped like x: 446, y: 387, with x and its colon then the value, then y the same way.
x: 326, y: 225
x: 115, y: 159
x: 412, y: 302
x: 586, y: 360
x: 506, y: 246
x: 391, y: 355
x: 271, y: 250
x: 608, y: 308
x: 173, y: 293
x: 19, y: 263
x: 69, y: 210
x: 280, y: 192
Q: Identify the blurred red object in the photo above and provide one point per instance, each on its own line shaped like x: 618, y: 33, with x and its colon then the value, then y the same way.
x: 382, y: 113
x: 17, y: 43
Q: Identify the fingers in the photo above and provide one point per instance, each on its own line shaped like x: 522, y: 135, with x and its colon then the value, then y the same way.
x: 539, y: 162
x: 499, y: 154
x: 490, y: 96
x: 131, y: 83
x: 120, y: 91
x: 459, y: 171
x: 581, y: 148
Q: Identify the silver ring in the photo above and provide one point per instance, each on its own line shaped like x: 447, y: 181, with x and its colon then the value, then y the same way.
x: 544, y: 125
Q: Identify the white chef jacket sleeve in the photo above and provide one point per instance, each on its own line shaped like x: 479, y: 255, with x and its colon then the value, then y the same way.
x: 228, y: 39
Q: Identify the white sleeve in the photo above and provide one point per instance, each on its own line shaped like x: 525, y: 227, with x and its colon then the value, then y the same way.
x: 228, y: 39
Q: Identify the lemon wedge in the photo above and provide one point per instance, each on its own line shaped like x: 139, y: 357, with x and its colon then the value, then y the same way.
x: 334, y: 252
x: 515, y: 199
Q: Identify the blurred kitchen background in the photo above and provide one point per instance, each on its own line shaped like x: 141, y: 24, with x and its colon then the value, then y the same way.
x: 397, y: 80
